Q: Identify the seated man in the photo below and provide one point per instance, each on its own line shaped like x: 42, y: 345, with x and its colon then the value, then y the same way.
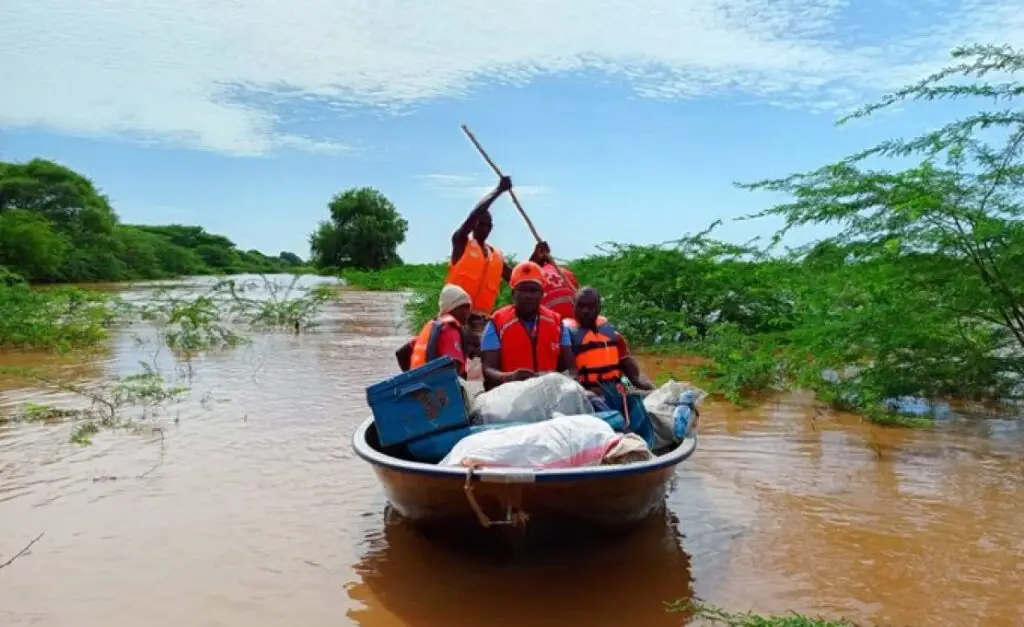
x: 524, y: 339
x: 560, y: 283
x: 444, y: 336
x: 602, y: 357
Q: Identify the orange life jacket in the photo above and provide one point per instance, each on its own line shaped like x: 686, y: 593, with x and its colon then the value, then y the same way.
x: 559, y: 293
x: 479, y: 275
x: 520, y: 349
x: 597, y: 353
x: 425, y: 348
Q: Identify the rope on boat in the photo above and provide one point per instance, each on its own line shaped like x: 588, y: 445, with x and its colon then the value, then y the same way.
x: 625, y: 403
x: 516, y: 519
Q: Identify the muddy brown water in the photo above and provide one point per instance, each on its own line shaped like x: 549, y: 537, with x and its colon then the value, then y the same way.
x: 252, y: 510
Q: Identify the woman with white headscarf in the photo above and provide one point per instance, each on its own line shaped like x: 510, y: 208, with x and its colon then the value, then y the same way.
x: 442, y: 336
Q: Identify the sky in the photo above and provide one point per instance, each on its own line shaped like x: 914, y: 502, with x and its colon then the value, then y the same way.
x: 617, y: 121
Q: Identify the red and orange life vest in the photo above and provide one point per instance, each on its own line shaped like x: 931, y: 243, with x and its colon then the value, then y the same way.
x: 425, y: 348
x: 520, y: 349
x: 559, y: 293
x: 479, y: 275
x: 597, y: 352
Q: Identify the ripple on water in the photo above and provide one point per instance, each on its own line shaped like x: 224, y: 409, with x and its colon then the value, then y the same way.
x: 253, y: 510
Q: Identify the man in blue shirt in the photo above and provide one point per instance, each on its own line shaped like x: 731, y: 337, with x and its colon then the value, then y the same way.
x: 525, y: 339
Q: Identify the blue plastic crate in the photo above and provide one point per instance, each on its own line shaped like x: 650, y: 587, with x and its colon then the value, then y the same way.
x: 419, y: 402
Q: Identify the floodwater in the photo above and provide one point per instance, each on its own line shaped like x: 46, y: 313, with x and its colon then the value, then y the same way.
x: 251, y: 509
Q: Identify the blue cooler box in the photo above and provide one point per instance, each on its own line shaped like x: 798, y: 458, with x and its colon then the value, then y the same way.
x: 419, y: 402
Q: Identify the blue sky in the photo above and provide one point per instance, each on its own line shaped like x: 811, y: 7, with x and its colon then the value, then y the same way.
x: 625, y: 121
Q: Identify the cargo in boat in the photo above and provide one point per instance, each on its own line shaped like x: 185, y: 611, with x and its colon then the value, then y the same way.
x: 606, y: 496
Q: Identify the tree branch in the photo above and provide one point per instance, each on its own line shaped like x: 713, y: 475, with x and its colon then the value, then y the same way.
x: 23, y: 551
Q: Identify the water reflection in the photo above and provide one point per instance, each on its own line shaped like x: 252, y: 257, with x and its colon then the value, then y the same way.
x: 407, y: 578
x: 50, y: 365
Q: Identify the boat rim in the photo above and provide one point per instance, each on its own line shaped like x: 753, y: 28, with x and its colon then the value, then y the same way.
x: 368, y: 453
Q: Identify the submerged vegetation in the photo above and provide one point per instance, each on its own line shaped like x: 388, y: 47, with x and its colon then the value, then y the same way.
x: 280, y: 308
x: 917, y: 294
x: 717, y: 616
x: 120, y: 403
x: 61, y: 318
x: 188, y: 324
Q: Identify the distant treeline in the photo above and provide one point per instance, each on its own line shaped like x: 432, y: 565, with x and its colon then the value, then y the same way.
x: 56, y: 227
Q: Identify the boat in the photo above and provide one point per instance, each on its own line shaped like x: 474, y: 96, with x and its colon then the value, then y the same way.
x: 607, y: 496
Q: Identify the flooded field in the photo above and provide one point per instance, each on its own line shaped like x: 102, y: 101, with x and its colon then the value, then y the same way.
x: 252, y: 510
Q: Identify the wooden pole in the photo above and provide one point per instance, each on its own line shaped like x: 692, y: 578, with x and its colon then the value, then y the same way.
x: 511, y: 192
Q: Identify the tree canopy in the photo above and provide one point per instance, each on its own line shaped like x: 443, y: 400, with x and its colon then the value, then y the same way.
x: 363, y: 232
x: 922, y: 286
x: 56, y: 227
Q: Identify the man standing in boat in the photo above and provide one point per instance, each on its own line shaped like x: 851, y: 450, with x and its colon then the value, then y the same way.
x: 601, y: 358
x: 476, y: 266
x: 524, y: 339
x: 560, y: 283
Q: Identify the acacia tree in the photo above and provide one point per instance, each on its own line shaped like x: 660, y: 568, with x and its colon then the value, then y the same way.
x: 64, y: 197
x: 363, y: 232
x: 74, y: 210
x: 925, y: 290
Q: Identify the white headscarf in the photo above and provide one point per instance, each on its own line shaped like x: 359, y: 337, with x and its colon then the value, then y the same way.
x: 452, y: 297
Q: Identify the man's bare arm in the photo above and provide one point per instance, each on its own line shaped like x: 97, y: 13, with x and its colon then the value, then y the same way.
x: 404, y: 356
x: 461, y: 236
x: 491, y: 365
x: 566, y: 361
x: 493, y: 374
x: 632, y: 371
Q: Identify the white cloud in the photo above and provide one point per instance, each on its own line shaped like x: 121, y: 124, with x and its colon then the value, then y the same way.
x: 447, y: 180
x: 471, y: 186
x: 166, y: 71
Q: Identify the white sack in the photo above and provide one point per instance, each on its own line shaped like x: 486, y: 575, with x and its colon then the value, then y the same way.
x: 532, y: 400
x: 561, y: 442
x: 629, y: 449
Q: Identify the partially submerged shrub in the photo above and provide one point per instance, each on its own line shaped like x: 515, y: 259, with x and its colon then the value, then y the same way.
x: 124, y: 402
x: 277, y: 305
x: 62, y: 319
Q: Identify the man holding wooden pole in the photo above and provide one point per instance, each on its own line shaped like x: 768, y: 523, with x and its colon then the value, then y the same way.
x: 476, y: 266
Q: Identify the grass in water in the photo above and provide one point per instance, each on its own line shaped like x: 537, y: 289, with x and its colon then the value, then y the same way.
x: 121, y: 403
x: 60, y: 319
x: 398, y: 278
x: 189, y: 325
x: 286, y: 305
x: 719, y: 616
